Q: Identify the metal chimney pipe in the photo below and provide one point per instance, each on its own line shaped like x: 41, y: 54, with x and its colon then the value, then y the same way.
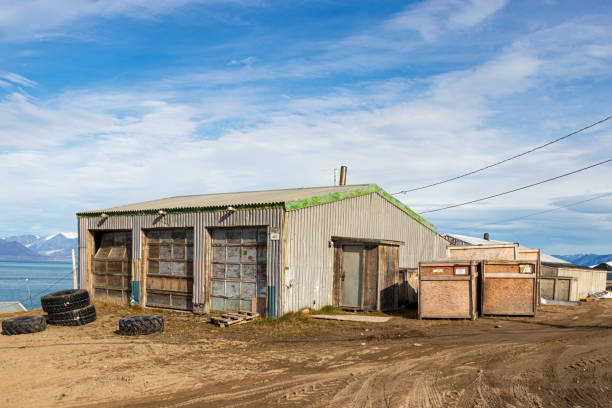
x: 486, y: 236
x: 343, y: 175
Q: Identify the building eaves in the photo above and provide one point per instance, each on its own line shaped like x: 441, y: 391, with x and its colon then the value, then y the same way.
x: 289, y: 199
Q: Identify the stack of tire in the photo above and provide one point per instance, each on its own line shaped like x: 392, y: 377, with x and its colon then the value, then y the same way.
x: 68, y: 308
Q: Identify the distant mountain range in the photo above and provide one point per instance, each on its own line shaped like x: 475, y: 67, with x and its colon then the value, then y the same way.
x: 55, y: 246
x: 586, y: 259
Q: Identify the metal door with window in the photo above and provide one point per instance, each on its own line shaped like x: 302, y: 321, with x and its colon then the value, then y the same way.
x: 352, y: 275
x: 112, y: 267
x: 169, y: 256
x: 238, y: 269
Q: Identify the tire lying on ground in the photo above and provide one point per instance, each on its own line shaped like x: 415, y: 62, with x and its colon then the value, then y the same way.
x: 77, y: 317
x: 145, y: 324
x: 23, y: 325
x: 65, y: 300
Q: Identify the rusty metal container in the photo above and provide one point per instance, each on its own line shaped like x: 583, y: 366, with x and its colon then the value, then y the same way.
x: 448, y: 289
x: 508, y: 288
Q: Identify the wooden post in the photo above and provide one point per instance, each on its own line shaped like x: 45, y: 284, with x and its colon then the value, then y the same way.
x: 74, y: 274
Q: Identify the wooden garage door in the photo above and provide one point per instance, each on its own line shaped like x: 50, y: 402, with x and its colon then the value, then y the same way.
x: 169, y: 260
x: 238, y: 269
x: 112, y: 267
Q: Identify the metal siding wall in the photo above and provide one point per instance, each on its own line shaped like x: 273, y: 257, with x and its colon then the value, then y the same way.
x: 588, y: 281
x: 309, y: 279
x: 82, y: 228
x: 272, y: 217
x: 136, y: 237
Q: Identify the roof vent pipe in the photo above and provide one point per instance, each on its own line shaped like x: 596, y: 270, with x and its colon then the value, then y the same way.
x: 335, y: 176
x: 486, y: 236
x: 343, y: 175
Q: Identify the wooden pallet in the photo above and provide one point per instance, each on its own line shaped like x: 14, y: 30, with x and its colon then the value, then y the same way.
x: 228, y: 319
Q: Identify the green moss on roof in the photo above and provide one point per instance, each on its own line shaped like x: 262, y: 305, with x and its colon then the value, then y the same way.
x: 357, y: 192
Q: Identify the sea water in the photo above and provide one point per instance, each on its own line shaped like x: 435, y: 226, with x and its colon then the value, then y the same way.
x: 42, y: 277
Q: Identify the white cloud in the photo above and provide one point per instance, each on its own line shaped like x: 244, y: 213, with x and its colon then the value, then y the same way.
x: 229, y: 129
x: 512, y: 72
x: 27, y: 19
x: 433, y: 17
x: 18, y: 79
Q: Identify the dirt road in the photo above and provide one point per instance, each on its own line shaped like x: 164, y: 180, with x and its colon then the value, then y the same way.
x: 561, y: 358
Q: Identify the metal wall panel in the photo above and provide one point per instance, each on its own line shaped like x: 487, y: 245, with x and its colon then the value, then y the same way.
x: 271, y: 217
x: 589, y: 281
x: 308, y: 279
x: 82, y: 229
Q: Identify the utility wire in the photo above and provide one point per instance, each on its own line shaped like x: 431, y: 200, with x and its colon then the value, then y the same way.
x: 50, y: 286
x: 519, y: 188
x: 505, y: 160
x: 547, y: 211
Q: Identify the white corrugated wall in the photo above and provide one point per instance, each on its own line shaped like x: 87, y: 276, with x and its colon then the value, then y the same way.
x: 308, y: 275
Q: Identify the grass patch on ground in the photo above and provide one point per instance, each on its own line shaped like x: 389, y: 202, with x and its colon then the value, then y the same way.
x: 288, y: 319
x: 329, y: 309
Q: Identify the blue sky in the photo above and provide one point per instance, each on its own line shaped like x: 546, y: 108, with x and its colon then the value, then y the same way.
x: 107, y: 103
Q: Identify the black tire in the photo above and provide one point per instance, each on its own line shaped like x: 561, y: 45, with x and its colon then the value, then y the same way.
x: 23, y: 325
x: 145, y: 324
x: 76, y: 317
x: 65, y: 300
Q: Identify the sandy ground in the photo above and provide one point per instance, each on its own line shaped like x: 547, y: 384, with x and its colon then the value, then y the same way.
x: 561, y: 358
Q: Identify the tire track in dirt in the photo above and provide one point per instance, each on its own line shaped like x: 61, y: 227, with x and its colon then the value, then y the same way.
x: 562, y: 358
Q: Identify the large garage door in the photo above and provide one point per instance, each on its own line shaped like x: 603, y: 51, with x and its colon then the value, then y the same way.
x: 112, y: 267
x: 238, y: 269
x: 169, y: 255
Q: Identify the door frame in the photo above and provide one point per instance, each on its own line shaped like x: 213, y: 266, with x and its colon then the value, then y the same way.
x: 144, y: 290
x: 360, y: 279
x: 337, y: 243
x: 94, y: 242
x: 208, y: 262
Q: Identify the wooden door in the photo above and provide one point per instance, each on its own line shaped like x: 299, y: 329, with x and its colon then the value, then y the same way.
x: 169, y: 260
x: 112, y: 267
x: 238, y: 269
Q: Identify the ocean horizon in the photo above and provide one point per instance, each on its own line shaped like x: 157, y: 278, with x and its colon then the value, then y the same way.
x: 42, y: 277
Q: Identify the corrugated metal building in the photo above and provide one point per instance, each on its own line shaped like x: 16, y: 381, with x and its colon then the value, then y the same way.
x: 588, y: 280
x: 271, y: 251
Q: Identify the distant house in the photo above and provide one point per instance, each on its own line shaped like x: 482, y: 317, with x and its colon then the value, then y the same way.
x: 273, y: 251
x: 606, y: 266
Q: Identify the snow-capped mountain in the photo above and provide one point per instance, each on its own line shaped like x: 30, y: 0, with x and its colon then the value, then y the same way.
x: 58, y: 245
x: 22, y: 239
x: 586, y: 259
x: 15, y: 250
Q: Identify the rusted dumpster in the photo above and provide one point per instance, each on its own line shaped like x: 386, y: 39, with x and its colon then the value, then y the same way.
x: 508, y: 288
x: 447, y: 289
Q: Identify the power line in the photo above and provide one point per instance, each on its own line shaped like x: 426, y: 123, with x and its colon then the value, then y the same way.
x: 547, y: 211
x: 519, y: 188
x: 505, y: 160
